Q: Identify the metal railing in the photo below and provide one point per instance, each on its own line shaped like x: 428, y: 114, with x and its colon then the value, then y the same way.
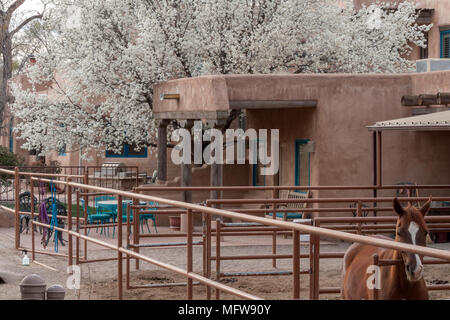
x: 295, y: 228
x: 191, y: 209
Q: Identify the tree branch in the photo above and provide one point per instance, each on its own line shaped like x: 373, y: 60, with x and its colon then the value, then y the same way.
x: 14, y: 7
x: 24, y: 23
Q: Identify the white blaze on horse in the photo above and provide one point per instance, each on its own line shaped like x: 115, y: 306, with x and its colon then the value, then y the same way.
x: 401, y: 281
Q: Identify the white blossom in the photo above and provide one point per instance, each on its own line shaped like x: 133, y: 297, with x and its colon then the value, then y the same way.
x: 104, y: 57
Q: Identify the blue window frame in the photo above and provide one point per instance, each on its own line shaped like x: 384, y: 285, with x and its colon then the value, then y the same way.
x: 257, y: 178
x: 302, y: 164
x: 128, y: 151
x: 445, y: 44
x: 62, y: 151
x: 11, y: 138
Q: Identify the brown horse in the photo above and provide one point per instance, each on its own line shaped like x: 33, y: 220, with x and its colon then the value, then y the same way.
x: 400, y: 281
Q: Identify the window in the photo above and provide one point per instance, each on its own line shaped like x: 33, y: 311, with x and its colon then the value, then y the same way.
x: 62, y: 151
x: 302, y: 163
x: 424, y: 51
x: 445, y: 44
x: 128, y: 151
x: 11, y: 137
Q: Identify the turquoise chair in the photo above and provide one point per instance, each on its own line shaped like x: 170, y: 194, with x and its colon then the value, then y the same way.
x: 144, y: 217
x: 96, y: 218
x: 101, y: 209
x: 124, y: 216
x: 287, y: 215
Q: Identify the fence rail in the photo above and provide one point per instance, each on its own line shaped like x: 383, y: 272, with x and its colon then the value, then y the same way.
x: 208, y: 212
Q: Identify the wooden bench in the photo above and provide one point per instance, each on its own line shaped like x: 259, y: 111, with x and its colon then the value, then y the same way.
x: 291, y: 215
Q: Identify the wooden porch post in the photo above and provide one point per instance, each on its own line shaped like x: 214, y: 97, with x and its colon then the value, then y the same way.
x: 377, y: 174
x: 186, y: 181
x: 162, y: 151
x: 379, y: 162
x: 214, y: 180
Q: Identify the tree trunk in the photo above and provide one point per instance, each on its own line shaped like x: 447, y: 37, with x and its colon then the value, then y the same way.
x: 6, y: 47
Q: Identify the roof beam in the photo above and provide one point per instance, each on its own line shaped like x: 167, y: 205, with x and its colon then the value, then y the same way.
x: 441, y: 98
x: 272, y: 104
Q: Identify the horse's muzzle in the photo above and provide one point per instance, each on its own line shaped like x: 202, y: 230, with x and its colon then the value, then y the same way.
x: 414, y: 275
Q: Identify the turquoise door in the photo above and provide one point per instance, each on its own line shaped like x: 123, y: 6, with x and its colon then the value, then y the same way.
x: 302, y: 163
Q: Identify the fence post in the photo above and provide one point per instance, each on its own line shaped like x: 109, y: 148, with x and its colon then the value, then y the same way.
x: 16, y: 206
x: 189, y: 267
x: 77, y: 241
x: 69, y: 225
x: 119, y: 245
x: 359, y: 215
x: 296, y: 264
x: 274, y: 236
x: 311, y: 264
x: 33, y: 254
x: 204, y: 244
x: 127, y: 265
x: 375, y: 289
x: 136, y: 228
x: 316, y: 264
x: 218, y: 235
x: 208, y: 252
x: 85, y: 211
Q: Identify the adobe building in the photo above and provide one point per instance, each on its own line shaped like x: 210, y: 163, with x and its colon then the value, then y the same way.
x: 327, y: 122
x: 436, y: 12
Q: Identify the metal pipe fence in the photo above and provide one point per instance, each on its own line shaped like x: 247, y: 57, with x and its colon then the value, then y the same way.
x: 273, y: 226
x: 316, y: 231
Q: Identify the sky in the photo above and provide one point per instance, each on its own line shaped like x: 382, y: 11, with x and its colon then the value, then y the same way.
x: 31, y: 5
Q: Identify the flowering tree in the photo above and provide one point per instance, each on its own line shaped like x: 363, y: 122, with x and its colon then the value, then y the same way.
x: 104, y: 57
x: 12, y: 21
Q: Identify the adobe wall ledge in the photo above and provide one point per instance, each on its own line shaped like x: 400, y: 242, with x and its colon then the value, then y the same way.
x: 6, y: 219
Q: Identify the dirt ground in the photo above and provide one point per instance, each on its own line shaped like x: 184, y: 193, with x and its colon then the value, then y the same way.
x: 99, y: 280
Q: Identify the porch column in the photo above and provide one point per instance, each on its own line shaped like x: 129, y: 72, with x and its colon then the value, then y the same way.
x: 216, y: 174
x: 186, y: 181
x: 377, y: 165
x: 162, y: 151
x: 379, y: 162
x: 215, y: 179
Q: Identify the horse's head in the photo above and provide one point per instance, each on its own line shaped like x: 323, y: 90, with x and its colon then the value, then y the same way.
x: 412, y: 229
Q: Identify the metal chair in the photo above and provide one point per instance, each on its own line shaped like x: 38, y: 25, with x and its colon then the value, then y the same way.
x: 96, y: 218
x: 144, y: 217
x: 292, y: 205
x: 60, y: 211
x: 25, y: 206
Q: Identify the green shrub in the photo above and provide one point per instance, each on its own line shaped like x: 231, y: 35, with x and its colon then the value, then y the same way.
x: 8, y: 159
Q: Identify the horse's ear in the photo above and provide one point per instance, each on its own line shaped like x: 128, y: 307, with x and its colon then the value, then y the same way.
x: 426, y: 207
x: 398, y: 207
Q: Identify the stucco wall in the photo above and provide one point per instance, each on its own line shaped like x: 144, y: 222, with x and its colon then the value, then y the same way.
x: 343, y: 145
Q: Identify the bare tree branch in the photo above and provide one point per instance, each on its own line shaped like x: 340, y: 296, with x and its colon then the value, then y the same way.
x: 24, y: 23
x: 14, y: 7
